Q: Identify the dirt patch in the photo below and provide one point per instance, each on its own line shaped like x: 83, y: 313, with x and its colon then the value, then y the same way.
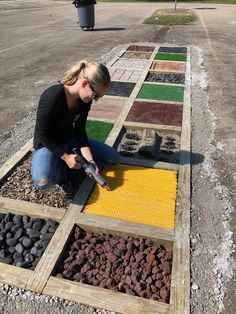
x: 133, y: 266
x: 18, y: 185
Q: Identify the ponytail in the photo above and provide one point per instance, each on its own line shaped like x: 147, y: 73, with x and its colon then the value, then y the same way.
x: 71, y: 76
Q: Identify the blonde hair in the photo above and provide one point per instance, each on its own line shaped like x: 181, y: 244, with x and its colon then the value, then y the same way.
x: 96, y: 73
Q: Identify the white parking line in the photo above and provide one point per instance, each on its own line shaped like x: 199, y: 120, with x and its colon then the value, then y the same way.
x: 26, y: 42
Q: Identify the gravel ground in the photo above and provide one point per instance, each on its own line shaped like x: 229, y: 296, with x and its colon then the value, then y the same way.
x: 211, y: 243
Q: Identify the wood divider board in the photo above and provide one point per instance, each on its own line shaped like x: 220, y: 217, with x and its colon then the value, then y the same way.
x: 40, y: 280
x: 8, y: 205
x: 103, y: 298
x: 180, y: 278
x: 14, y: 276
x: 9, y: 164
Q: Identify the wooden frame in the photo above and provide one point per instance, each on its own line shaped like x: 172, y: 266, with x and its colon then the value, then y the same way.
x: 41, y: 280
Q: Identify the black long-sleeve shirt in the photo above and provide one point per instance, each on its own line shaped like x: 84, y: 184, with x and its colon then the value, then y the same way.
x: 56, y: 123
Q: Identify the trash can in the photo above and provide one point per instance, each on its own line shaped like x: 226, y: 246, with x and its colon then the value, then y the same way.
x: 85, y: 10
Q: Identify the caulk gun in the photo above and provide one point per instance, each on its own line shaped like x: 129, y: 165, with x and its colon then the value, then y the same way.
x: 91, y: 170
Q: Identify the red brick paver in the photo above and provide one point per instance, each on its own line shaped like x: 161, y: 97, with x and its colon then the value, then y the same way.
x: 164, y: 66
x: 107, y: 108
x: 156, y: 113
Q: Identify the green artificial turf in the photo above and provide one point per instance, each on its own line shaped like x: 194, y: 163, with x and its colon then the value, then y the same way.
x: 161, y: 92
x: 98, y: 130
x: 171, y: 56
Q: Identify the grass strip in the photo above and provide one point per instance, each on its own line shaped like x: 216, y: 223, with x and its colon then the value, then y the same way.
x: 170, y: 56
x: 171, y: 17
x: 161, y: 92
x: 98, y: 130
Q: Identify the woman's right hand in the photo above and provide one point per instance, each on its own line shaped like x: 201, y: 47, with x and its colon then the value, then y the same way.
x: 70, y: 160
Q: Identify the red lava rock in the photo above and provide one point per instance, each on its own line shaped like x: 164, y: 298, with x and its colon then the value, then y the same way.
x: 121, y: 246
x: 128, y: 280
x: 103, y: 257
x: 136, y: 242
x: 127, y: 270
x: 134, y: 278
x: 165, y: 268
x: 154, y: 297
x: 149, y: 280
x: 139, y: 256
x: 77, y: 277
x: 120, y: 271
x: 154, y: 289
x: 149, y: 269
x: 117, y: 278
x: 117, y: 252
x: 168, y: 256
x: 99, y: 277
x: 155, y: 249
x: 132, y: 259
x: 110, y: 282
x: 114, y: 241
x: 88, y: 250
x: 130, y: 246
x: 67, y: 273
x: 159, y: 276
x: 99, y: 251
x: 149, y: 291
x: 164, y: 293
x: 69, y: 259
x: 74, y: 266
x: 102, y: 283
x: 158, y: 284
x: 111, y: 257
x: 167, y: 281
x: 155, y: 269
x: 107, y: 247
x: 121, y: 285
x: 89, y: 274
x: 138, y: 287
x: 150, y: 258
x: 92, y: 256
x: 134, y: 266
x: 76, y: 245
x: 88, y: 236
x: 85, y: 268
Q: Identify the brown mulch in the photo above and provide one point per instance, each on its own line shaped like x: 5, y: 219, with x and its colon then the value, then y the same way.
x: 18, y: 185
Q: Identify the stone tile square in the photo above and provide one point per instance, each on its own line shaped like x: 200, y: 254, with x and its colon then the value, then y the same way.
x: 124, y: 75
x: 136, y: 55
x: 173, y: 49
x: 130, y: 64
x: 140, y: 48
x: 165, y: 66
x: 156, y: 113
x: 107, y: 108
x: 122, y: 89
x: 146, y: 112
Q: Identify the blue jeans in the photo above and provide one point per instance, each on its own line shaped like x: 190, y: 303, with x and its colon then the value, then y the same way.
x: 47, y: 166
